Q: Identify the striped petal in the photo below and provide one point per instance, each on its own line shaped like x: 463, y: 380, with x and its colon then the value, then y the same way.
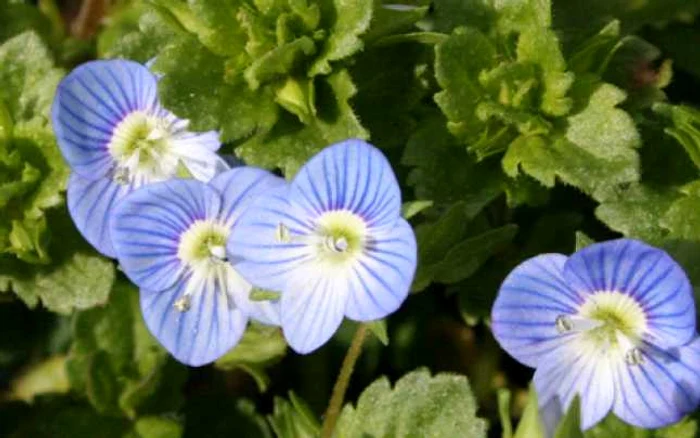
x: 211, y: 327
x: 254, y: 246
x: 647, y: 274
x: 147, y: 226
x: 661, y: 390
x: 238, y: 188
x: 351, y: 175
x: 529, y: 301
x: 91, y: 204
x: 89, y: 104
x: 383, y: 275
x: 312, y: 308
x: 572, y: 369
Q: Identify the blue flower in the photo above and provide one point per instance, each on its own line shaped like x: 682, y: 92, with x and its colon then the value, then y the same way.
x: 116, y: 136
x: 332, y: 242
x: 613, y: 323
x: 170, y: 240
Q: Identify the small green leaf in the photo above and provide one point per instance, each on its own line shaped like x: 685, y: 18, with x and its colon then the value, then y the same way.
x: 419, y: 405
x: 685, y: 127
x: 263, y: 295
x: 530, y: 425
x: 351, y: 18
x: 260, y: 347
x: 412, y: 208
x: 504, y: 412
x: 582, y: 240
x: 158, y: 427
x: 293, y: 420
x: 378, y: 329
x: 570, y: 424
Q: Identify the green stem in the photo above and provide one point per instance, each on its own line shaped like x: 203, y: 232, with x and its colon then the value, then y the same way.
x: 341, y: 385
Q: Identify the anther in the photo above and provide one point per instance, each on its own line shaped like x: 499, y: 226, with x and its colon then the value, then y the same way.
x: 182, y: 304
x: 564, y: 324
x: 282, y: 233
x: 218, y: 252
x: 634, y: 356
x: 336, y: 245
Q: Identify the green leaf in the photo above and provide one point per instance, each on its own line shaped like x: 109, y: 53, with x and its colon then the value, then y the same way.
x: 445, y: 173
x: 572, y: 164
x: 570, y: 425
x: 260, y: 347
x: 293, y: 420
x: 638, y: 212
x: 78, y: 281
x: 378, y: 329
x: 612, y: 427
x: 504, y: 398
x: 530, y: 425
x: 685, y: 127
x: 412, y: 208
x: 194, y: 88
x: 29, y: 78
x: 17, y: 17
x: 136, y: 32
x: 582, y: 240
x: 289, y: 144
x: 158, y: 427
x: 458, y: 62
x: 257, y: 294
x: 116, y: 362
x: 418, y: 405
x: 604, y: 130
x: 388, y: 21
x: 682, y: 218
x: 351, y: 18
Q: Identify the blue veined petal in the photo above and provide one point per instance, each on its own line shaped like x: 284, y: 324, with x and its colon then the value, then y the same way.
x: 661, y: 390
x: 351, y: 175
x: 383, y: 275
x: 254, y: 246
x: 90, y: 102
x: 238, y: 289
x: 647, y: 274
x: 239, y: 186
x: 312, y: 307
x: 551, y: 413
x: 529, y: 301
x: 91, y: 204
x: 576, y: 368
x: 147, y: 225
x: 200, y: 335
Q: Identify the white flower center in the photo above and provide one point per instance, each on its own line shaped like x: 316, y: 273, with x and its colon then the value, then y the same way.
x: 610, y: 321
x: 202, y: 249
x: 338, y: 238
x: 141, y: 149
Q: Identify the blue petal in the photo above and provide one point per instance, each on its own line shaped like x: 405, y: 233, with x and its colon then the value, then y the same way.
x: 529, y: 301
x: 351, y: 175
x: 90, y: 102
x: 647, y: 274
x: 210, y: 328
x: 238, y: 188
x: 253, y: 246
x: 572, y: 369
x: 661, y: 390
x: 312, y: 309
x: 147, y: 226
x: 91, y: 203
x: 383, y: 275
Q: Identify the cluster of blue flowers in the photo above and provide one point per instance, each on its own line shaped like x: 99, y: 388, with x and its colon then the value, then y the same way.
x: 614, y: 323
x: 332, y: 241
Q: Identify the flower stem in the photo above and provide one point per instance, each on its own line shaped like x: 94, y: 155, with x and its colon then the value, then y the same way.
x: 341, y: 384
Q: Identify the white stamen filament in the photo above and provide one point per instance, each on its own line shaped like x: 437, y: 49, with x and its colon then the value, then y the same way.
x: 576, y: 323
